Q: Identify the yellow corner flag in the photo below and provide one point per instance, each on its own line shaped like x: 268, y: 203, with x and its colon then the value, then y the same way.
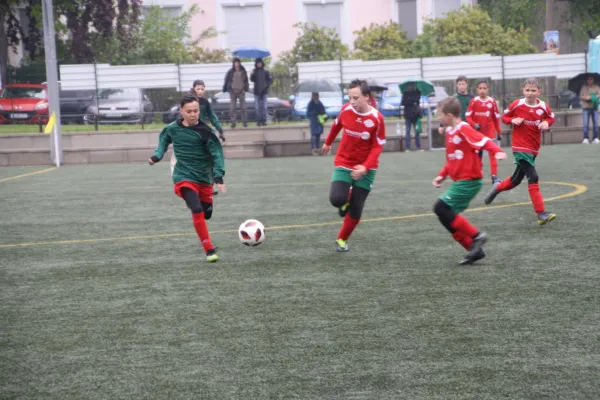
x: 50, y: 124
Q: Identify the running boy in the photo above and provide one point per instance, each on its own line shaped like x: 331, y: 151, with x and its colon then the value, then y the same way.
x: 483, y: 115
x: 357, y: 157
x: 206, y: 111
x: 199, y: 163
x: 463, y: 165
x: 529, y: 117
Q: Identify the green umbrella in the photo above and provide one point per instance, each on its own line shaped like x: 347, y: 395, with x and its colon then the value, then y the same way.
x: 422, y: 85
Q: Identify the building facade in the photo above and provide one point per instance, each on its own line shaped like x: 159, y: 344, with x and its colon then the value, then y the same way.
x: 270, y: 23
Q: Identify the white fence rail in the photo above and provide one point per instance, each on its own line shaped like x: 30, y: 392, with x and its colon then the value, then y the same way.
x: 444, y: 68
x: 104, y: 76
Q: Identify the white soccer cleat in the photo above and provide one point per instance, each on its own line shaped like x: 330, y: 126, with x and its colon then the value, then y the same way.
x: 586, y: 141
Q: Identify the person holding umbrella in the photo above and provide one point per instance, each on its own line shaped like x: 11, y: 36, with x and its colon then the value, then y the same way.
x: 590, y: 99
x: 411, y: 101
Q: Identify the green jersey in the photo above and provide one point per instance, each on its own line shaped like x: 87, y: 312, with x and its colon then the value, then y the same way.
x: 464, y: 99
x: 207, y: 114
x: 198, y: 153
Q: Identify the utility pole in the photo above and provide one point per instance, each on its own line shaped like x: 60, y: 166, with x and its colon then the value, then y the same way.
x: 550, y: 15
x: 52, y: 80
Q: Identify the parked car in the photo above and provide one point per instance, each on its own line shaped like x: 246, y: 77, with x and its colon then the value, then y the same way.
x: 74, y: 104
x: 330, y: 94
x: 277, y: 109
x: 389, y: 103
x: 24, y: 103
x: 119, y: 106
x: 568, y: 99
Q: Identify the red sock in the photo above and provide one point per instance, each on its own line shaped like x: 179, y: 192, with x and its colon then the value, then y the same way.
x: 493, y: 164
x: 505, y: 185
x: 536, y: 197
x: 463, y: 225
x: 464, y: 241
x: 202, y: 231
x: 347, y: 227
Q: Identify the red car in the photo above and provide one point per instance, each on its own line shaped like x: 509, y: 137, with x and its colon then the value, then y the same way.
x: 25, y: 103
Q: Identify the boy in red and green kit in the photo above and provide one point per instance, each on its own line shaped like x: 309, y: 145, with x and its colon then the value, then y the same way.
x: 530, y: 117
x: 463, y: 165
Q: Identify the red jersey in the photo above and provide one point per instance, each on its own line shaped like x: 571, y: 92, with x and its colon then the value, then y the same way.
x: 486, y: 114
x: 363, y: 138
x: 462, y: 157
x: 526, y: 137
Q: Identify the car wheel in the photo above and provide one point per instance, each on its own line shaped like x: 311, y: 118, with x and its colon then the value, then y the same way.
x: 271, y: 115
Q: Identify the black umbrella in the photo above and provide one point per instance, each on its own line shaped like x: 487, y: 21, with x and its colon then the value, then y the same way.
x: 375, y: 85
x: 317, y: 85
x: 578, y: 81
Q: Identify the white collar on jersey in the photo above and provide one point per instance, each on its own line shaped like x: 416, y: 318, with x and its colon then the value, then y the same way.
x: 540, y: 103
x: 453, y: 131
x: 371, y: 112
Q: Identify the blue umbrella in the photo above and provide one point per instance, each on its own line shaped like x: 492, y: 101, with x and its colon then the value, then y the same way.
x: 251, y: 52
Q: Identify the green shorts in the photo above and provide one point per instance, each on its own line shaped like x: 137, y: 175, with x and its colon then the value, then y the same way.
x: 459, y: 195
x: 343, y: 174
x: 527, y: 157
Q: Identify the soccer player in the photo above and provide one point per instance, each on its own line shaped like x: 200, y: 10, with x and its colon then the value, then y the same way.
x: 462, y: 94
x: 357, y: 157
x: 207, y: 114
x: 463, y: 165
x: 199, y: 163
x: 483, y: 115
x: 529, y: 117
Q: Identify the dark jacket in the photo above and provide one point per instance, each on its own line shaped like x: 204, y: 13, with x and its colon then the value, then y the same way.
x: 229, y: 77
x: 411, y: 100
x: 312, y: 111
x: 261, y: 77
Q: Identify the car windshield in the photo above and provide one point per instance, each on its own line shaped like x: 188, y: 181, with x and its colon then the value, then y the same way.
x: 23, y: 93
x: 119, y: 94
x: 392, y: 91
x: 322, y: 95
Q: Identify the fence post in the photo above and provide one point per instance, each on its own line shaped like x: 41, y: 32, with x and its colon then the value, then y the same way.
x: 97, y: 98
x: 503, y: 84
x: 342, y: 77
x: 585, y: 54
x: 421, y: 68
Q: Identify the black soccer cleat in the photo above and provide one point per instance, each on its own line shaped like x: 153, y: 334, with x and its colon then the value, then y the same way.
x: 343, y: 210
x: 472, y: 256
x: 492, y: 194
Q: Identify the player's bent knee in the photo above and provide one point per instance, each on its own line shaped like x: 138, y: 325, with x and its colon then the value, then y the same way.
x: 338, y: 199
x: 533, y: 179
x: 196, y: 209
x: 208, y: 210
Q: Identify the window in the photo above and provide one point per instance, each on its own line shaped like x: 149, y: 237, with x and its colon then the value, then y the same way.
x: 167, y: 11
x: 23, y: 93
x: 407, y: 17
x: 328, y: 15
x: 244, y: 26
x: 441, y: 7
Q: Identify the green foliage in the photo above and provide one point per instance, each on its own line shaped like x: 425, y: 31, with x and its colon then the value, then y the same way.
x: 514, y: 14
x: 470, y: 31
x: 585, y: 16
x: 314, y: 43
x: 381, y: 42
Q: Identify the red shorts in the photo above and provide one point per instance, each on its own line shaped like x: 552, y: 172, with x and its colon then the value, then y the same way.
x: 204, y: 191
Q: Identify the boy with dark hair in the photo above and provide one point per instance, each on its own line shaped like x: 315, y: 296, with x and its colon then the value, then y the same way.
x: 462, y: 94
x: 463, y: 165
x: 483, y: 115
x: 207, y: 113
x: 199, y: 163
x: 357, y: 157
x: 529, y: 117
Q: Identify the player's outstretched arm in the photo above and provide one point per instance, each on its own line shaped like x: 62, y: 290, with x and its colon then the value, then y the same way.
x: 164, y: 140
x: 216, y: 152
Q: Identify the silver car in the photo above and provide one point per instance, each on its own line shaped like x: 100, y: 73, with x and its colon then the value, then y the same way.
x: 119, y: 106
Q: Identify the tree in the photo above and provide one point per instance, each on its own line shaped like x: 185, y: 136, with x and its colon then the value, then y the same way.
x: 381, y: 42
x: 515, y: 14
x: 314, y: 43
x: 470, y: 31
x: 585, y: 16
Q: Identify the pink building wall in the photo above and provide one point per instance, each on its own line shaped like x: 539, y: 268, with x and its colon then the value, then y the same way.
x: 281, y: 15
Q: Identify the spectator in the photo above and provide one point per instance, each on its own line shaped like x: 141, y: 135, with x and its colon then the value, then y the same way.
x: 262, y: 80
x: 236, y: 83
x: 590, y: 98
x: 411, y: 100
x: 316, y: 116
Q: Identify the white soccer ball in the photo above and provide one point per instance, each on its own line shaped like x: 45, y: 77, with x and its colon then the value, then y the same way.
x: 252, y: 232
